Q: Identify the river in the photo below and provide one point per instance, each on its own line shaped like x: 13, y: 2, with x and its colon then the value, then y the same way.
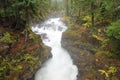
x: 60, y: 66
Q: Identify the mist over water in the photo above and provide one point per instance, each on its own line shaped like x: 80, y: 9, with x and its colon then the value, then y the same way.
x: 60, y: 66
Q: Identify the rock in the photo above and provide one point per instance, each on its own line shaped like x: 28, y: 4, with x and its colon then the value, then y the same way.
x: 80, y: 51
x: 60, y: 28
x: 44, y: 36
x: 29, y: 56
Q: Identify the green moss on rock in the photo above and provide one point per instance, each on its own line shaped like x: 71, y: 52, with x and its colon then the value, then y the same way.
x: 20, y: 59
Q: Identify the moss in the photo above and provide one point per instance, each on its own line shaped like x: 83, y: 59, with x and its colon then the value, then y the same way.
x: 7, y: 38
x: 71, y: 34
x: 23, y: 58
x: 90, y: 53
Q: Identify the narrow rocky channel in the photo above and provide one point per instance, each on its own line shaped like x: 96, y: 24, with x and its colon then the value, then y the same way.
x: 60, y: 66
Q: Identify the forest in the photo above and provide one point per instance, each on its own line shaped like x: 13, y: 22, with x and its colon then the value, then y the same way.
x: 93, y: 28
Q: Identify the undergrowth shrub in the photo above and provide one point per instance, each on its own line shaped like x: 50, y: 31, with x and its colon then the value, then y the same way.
x: 113, y: 32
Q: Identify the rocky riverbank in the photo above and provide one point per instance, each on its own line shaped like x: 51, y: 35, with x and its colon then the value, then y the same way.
x: 92, y: 62
x: 81, y: 51
x: 20, y: 58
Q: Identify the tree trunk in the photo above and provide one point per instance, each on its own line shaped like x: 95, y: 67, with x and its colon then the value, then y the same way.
x: 79, y: 12
x: 67, y: 10
x: 92, y: 13
x: 71, y: 6
x: 26, y: 36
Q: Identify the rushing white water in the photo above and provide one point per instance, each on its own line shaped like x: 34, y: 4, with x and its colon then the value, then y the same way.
x: 60, y: 66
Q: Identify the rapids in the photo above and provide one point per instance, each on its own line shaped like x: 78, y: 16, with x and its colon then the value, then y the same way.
x: 60, y: 66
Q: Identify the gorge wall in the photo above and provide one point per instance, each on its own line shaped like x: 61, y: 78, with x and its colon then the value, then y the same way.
x: 80, y: 45
x: 21, y: 59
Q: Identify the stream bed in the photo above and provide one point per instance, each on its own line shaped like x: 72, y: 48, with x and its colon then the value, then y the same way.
x: 60, y: 66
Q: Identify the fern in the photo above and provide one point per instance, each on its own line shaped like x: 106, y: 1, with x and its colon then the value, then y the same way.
x: 7, y: 38
x: 111, y: 71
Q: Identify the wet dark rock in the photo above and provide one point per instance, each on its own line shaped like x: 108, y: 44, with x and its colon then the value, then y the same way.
x: 44, y: 54
x: 44, y: 36
x: 36, y: 32
x: 81, y: 53
x: 60, y: 28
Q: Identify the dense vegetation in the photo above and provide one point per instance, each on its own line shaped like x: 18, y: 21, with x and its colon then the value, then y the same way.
x: 20, y: 48
x: 102, y: 18
x: 17, y: 13
x: 98, y: 23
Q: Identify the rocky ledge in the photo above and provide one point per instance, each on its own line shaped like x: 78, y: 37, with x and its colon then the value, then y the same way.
x: 81, y: 47
x: 20, y: 58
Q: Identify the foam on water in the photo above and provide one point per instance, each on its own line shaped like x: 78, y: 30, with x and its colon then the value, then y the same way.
x: 60, y: 66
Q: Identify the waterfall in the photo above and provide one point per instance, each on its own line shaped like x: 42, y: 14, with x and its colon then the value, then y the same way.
x: 60, y: 66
